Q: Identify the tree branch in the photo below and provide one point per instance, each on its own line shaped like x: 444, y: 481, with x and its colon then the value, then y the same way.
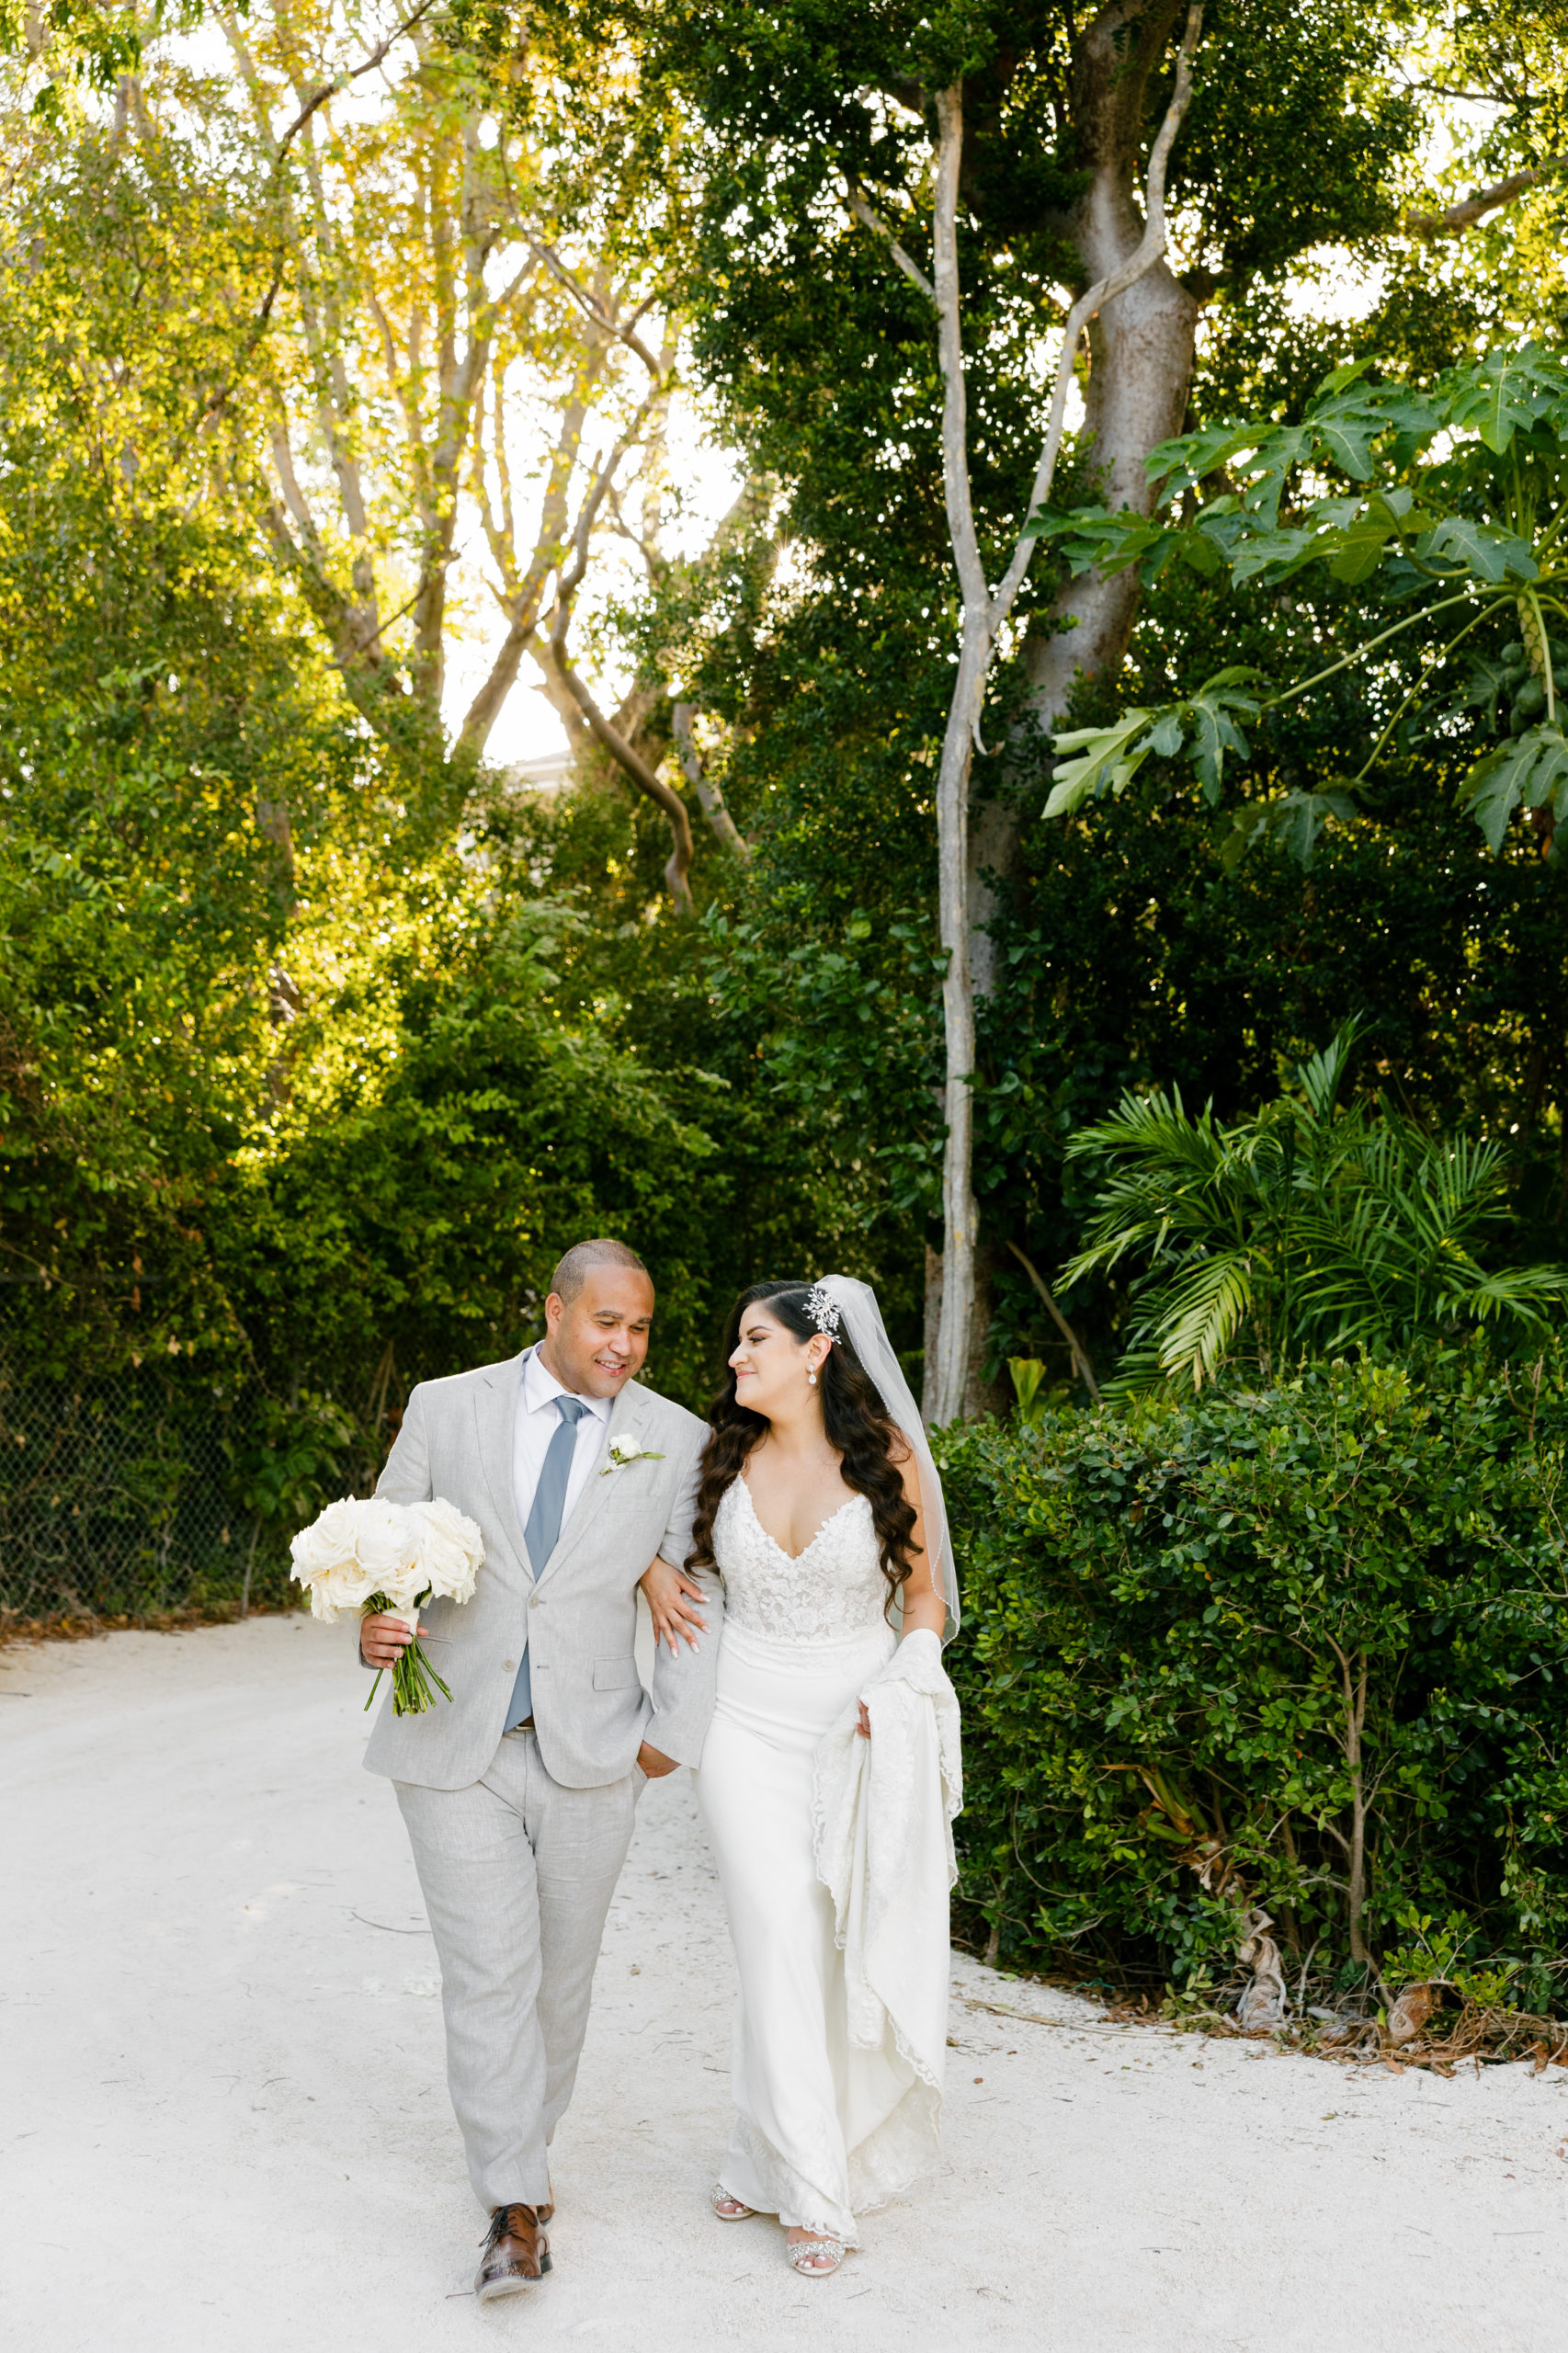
x: 983, y: 617
x: 570, y: 577
x: 1475, y: 207
x: 1149, y: 249
x: 678, y: 867
x: 331, y: 89
x: 215, y: 401
x: 1080, y: 1354
x: 878, y: 228
x: 597, y: 310
x: 709, y: 795
x: 949, y: 334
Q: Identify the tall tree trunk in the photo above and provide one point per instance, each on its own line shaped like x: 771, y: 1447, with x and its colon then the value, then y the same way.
x: 1109, y: 91
x: 1141, y: 354
x: 1141, y: 346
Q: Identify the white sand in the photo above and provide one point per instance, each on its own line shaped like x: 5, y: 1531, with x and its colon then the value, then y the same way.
x: 225, y: 2123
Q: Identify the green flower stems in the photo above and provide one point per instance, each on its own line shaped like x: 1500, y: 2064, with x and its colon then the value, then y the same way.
x: 415, y: 1680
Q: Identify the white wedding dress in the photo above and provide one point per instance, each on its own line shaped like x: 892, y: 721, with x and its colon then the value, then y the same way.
x: 832, y: 2117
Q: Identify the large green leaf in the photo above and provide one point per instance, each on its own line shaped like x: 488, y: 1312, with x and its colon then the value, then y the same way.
x: 1294, y: 820
x: 1109, y: 757
x: 1527, y: 771
x: 1363, y: 540
x: 1211, y: 719
x: 1194, y: 458
x: 1271, y: 551
x: 1486, y: 550
x: 1106, y: 763
x: 1505, y: 391
x: 1346, y: 441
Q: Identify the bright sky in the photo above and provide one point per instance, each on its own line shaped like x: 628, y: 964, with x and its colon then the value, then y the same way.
x: 527, y: 728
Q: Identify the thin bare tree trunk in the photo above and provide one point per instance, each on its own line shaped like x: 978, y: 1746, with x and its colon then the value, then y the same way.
x: 710, y: 795
x: 984, y: 616
x: 1080, y: 1354
x: 1353, y: 1682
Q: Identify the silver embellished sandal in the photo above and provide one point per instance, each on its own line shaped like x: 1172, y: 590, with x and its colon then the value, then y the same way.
x: 728, y: 2209
x: 805, y: 2255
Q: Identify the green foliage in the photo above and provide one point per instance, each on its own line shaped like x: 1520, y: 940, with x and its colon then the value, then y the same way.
x: 448, y: 1124
x: 1130, y: 959
x: 1306, y: 1228
x: 1461, y: 516
x: 1208, y: 1644
x: 294, y: 1085
x: 159, y: 727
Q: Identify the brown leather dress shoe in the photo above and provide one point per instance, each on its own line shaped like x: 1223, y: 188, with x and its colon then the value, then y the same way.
x: 517, y: 2253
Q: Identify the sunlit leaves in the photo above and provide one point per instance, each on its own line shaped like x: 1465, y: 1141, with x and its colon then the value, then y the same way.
x: 1506, y: 392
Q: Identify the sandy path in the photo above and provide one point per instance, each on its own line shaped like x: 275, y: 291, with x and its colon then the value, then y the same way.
x: 224, y: 2122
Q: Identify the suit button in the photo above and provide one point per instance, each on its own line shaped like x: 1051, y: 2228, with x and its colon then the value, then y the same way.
x: 533, y: 1601
x: 509, y: 1665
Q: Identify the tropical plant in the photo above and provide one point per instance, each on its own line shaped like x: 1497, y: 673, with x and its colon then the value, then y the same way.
x: 1446, y: 507
x: 1307, y: 1227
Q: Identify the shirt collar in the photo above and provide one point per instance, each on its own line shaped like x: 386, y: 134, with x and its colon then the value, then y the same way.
x: 542, y: 1388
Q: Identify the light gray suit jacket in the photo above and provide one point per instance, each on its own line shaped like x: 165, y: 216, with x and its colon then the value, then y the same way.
x: 579, y: 1619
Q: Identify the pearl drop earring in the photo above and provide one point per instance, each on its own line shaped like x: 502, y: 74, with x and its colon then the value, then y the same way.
x: 812, y: 1379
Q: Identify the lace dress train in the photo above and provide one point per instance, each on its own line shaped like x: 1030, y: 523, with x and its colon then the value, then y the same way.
x: 824, y: 2126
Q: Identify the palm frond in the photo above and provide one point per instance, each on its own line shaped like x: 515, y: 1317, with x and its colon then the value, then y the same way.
x: 1200, y: 1313
x: 1325, y: 1225
x: 1320, y: 1078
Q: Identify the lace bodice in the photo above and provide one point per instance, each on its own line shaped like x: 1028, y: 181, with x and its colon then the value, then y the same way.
x: 834, y: 1588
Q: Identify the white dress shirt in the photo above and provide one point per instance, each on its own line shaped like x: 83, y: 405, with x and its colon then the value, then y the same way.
x: 536, y: 1423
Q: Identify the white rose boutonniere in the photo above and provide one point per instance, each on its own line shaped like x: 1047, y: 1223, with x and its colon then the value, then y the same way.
x: 623, y: 1451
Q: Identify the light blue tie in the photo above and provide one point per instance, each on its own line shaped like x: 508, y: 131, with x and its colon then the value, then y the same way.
x: 543, y: 1532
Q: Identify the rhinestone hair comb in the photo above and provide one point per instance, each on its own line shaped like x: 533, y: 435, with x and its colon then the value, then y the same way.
x: 824, y: 1310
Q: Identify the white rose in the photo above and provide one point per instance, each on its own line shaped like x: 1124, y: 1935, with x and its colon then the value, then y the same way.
x: 326, y: 1562
x: 386, y: 1544
x: 450, y: 1549
x: 328, y: 1540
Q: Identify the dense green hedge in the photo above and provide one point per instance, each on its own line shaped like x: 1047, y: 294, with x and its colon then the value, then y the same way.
x: 1306, y: 1648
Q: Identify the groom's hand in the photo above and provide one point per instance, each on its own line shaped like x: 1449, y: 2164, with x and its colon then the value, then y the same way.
x: 654, y: 1763
x: 382, y: 1640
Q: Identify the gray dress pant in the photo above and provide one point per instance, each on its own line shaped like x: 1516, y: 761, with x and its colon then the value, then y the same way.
x: 517, y: 1874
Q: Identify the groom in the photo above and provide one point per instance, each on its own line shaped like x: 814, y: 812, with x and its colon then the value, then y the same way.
x: 519, y: 1797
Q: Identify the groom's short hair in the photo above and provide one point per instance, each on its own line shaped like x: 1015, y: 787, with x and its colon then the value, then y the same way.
x: 572, y: 1271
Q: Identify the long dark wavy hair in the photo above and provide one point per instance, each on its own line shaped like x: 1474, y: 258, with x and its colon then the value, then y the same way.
x: 869, y: 1446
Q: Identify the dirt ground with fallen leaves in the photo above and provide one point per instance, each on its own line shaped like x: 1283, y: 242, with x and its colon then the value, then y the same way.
x: 225, y: 2123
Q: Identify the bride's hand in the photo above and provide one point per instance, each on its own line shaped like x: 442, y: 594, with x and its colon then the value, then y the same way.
x: 669, y: 1594
x: 864, y: 1726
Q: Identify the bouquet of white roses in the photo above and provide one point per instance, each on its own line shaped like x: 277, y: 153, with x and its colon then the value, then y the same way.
x: 372, y: 1556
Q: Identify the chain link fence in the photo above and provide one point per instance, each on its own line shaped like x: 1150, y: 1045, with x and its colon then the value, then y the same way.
x: 121, y: 1498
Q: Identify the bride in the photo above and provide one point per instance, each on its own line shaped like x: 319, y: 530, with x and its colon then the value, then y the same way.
x: 830, y: 1774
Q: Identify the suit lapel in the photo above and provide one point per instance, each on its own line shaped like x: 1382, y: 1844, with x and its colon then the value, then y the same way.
x: 626, y: 1416
x: 495, y: 1419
